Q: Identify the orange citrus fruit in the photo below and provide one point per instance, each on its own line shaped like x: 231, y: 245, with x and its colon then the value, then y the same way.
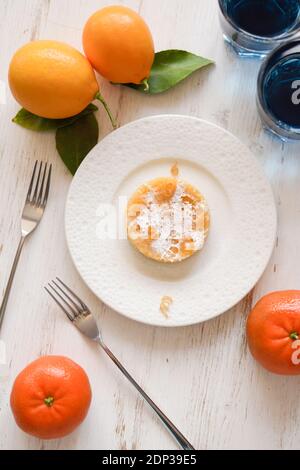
x: 50, y: 397
x: 273, y: 332
x: 52, y: 79
x: 119, y: 45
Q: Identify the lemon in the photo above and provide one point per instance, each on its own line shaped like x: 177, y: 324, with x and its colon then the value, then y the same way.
x: 119, y: 44
x: 52, y: 79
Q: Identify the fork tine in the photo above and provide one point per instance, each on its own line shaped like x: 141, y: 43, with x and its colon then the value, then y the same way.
x: 73, y: 307
x: 31, y: 181
x: 64, y: 302
x: 77, y: 307
x: 70, y: 317
x: 83, y: 305
x: 39, y: 199
x: 44, y: 202
x: 34, y: 198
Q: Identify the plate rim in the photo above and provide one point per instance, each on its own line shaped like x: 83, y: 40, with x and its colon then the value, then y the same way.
x: 219, y: 313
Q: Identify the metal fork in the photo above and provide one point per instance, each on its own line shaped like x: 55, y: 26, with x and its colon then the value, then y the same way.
x: 33, y: 211
x: 81, y: 317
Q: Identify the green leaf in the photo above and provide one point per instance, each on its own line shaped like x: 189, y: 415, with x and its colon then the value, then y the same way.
x: 36, y: 123
x: 74, y: 141
x: 169, y: 68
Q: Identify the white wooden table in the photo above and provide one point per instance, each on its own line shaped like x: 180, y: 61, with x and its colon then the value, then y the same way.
x: 203, y: 376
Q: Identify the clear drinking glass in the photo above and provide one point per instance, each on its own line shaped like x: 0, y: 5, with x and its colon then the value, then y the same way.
x: 256, y: 27
x: 278, y: 91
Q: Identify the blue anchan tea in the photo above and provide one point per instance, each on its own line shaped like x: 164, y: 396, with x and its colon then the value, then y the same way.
x: 279, y: 90
x: 264, y: 18
x: 282, y: 91
x: 256, y: 27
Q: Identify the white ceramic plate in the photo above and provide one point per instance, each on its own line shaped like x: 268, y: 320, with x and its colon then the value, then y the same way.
x: 243, y: 220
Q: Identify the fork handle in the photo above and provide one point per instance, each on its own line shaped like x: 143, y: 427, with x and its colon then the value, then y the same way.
x: 10, y: 280
x: 182, y: 441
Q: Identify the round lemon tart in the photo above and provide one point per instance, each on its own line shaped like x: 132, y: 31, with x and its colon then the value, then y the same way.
x: 167, y: 220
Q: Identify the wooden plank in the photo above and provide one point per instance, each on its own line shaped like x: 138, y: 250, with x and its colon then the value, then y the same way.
x: 202, y: 376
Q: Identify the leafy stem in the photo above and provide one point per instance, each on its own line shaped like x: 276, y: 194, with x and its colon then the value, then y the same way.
x: 146, y: 85
x: 100, y: 98
x: 170, y: 68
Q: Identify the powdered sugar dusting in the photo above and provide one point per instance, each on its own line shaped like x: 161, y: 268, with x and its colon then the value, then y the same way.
x: 175, y: 228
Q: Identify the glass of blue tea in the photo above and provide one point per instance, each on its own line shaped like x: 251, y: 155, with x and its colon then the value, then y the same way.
x: 278, y: 91
x: 256, y: 27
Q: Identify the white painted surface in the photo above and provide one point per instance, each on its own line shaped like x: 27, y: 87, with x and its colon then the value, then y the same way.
x: 202, y: 376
